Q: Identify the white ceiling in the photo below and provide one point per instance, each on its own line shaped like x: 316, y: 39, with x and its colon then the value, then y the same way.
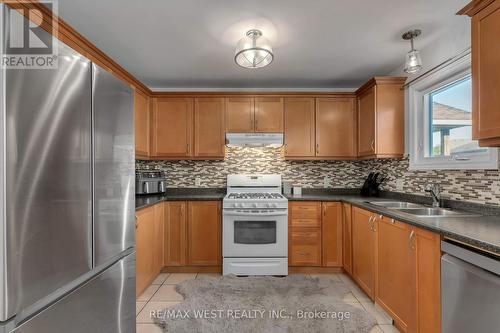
x: 189, y: 44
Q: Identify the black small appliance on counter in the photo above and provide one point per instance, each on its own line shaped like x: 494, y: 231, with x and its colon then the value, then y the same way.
x: 371, y: 186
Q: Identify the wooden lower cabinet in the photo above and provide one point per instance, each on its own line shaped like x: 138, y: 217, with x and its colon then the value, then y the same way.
x: 347, y: 237
x: 398, y: 266
x: 159, y: 210
x: 315, y: 234
x: 331, y: 233
x: 204, y: 233
x: 145, y: 265
x: 193, y: 233
x: 175, y: 233
x: 304, y: 234
x: 364, y: 250
x: 426, y: 247
x: 395, y: 275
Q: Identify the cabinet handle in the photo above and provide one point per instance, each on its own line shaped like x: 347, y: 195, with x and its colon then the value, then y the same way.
x: 317, y: 148
x: 372, y: 145
x: 256, y: 124
x: 411, y: 240
x: 187, y: 148
x: 393, y: 221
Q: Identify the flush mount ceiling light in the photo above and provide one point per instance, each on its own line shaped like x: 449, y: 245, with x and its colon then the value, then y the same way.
x: 413, y: 61
x: 253, y: 50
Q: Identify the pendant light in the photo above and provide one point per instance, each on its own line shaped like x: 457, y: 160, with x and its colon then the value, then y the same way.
x: 253, y: 50
x: 413, y: 62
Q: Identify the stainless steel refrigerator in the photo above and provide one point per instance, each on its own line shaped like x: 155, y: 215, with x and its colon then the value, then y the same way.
x: 67, y: 213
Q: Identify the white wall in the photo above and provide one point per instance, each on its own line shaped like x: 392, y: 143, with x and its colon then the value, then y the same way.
x: 440, y: 46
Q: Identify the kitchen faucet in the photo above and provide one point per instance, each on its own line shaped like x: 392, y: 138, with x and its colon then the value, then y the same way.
x: 435, y: 191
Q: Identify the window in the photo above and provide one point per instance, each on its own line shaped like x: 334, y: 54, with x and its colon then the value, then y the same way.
x: 440, y: 121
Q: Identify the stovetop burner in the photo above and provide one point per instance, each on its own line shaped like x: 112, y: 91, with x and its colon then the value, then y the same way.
x: 255, y: 196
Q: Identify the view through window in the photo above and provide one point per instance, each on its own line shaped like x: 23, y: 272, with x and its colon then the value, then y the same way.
x: 450, y: 120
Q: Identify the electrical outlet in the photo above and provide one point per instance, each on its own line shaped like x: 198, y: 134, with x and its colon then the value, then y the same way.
x: 197, y: 182
x: 326, y: 182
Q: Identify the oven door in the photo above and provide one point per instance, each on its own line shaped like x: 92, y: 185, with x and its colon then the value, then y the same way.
x: 255, y: 233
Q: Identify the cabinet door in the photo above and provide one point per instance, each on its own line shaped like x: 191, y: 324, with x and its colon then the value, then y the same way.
x: 172, y: 127
x: 209, y: 124
x: 159, y: 211
x: 142, y: 124
x: 240, y: 115
x: 366, y: 123
x: 395, y: 271
x: 300, y: 127
x: 204, y: 233
x: 427, y: 249
x: 347, y: 237
x: 486, y: 74
x: 269, y: 114
x: 175, y: 233
x: 364, y: 250
x: 331, y: 234
x: 305, y: 247
x: 335, y: 127
x: 145, y: 253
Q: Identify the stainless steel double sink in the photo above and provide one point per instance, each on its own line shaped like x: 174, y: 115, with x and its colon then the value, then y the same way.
x: 420, y: 210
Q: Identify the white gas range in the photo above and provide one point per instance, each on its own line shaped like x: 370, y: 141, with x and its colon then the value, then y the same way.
x: 255, y: 226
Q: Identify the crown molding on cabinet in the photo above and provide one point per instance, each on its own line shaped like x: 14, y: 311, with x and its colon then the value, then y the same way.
x: 474, y: 7
x: 68, y: 35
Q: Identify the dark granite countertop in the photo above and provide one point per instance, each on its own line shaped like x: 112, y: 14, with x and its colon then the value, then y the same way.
x: 178, y: 194
x: 482, y: 230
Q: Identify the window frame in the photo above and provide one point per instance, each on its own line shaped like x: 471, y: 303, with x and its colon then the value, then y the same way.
x: 419, y: 120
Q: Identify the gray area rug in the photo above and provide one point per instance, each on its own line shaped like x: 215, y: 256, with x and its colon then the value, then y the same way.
x: 264, y: 304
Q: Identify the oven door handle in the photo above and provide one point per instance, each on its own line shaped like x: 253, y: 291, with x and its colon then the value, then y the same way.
x: 240, y: 213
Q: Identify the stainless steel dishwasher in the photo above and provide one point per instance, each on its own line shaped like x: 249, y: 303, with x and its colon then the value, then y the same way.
x: 470, y: 290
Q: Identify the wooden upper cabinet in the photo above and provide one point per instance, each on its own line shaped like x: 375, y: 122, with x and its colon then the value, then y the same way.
x: 335, y: 127
x: 366, y: 125
x: 172, y: 127
x: 142, y: 124
x: 204, y: 233
x: 209, y: 123
x: 240, y: 115
x: 381, y: 117
x: 364, y: 250
x: 175, y: 233
x: 347, y: 237
x: 300, y: 127
x: 395, y: 273
x: 331, y: 234
x: 485, y: 71
x: 268, y: 114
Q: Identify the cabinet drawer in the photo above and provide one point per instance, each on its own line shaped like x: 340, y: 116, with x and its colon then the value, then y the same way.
x: 305, y: 223
x: 305, y: 248
x: 305, y: 211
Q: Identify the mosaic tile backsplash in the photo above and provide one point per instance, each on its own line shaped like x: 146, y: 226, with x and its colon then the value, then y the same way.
x: 477, y: 186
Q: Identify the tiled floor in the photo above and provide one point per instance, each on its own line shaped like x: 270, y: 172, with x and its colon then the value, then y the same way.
x: 161, y: 294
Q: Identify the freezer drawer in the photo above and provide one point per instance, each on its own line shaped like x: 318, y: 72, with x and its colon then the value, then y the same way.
x: 114, y: 166
x: 106, y: 304
x: 45, y: 214
x: 470, y: 295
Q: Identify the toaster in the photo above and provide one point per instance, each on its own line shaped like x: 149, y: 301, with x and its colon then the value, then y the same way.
x: 150, y: 182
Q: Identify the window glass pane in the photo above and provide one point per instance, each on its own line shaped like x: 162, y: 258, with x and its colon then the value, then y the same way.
x: 450, y: 120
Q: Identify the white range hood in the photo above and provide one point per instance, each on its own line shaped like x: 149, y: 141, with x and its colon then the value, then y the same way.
x: 272, y: 140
